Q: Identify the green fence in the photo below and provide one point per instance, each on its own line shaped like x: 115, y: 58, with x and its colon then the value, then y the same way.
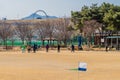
x: 19, y: 43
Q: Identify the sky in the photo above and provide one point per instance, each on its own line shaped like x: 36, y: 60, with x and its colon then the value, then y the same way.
x: 17, y: 9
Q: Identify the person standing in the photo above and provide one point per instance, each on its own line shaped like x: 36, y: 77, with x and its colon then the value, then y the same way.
x: 72, y: 48
x: 23, y: 47
x: 106, y: 48
x: 34, y: 48
x: 47, y: 48
x: 58, y: 48
x: 28, y: 48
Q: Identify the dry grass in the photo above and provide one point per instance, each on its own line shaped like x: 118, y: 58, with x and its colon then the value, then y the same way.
x: 15, y: 65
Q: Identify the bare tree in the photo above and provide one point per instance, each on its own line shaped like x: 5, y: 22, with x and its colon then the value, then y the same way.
x: 30, y: 32
x: 12, y: 35
x: 5, y: 32
x: 24, y: 31
x: 61, y: 30
x: 50, y: 29
x: 89, y: 28
x: 45, y: 30
x: 41, y: 30
x: 57, y: 29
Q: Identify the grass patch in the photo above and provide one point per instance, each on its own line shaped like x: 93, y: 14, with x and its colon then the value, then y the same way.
x: 74, y: 69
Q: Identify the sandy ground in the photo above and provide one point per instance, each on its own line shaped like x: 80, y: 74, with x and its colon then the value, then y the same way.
x: 101, y: 65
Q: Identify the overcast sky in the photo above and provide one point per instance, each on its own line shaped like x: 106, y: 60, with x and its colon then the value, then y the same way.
x: 17, y: 9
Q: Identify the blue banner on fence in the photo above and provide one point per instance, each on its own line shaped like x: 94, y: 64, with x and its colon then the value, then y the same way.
x: 79, y: 41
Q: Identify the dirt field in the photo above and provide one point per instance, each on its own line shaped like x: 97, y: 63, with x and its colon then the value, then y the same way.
x: 59, y: 66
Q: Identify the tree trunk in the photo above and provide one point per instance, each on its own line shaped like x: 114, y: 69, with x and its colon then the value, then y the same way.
x: 43, y: 43
x: 65, y: 42
x: 5, y: 44
x: 12, y: 43
x: 22, y: 41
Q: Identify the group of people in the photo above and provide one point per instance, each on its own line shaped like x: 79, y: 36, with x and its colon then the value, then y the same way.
x: 58, y: 48
x: 29, y: 48
x: 47, y: 48
x: 35, y: 47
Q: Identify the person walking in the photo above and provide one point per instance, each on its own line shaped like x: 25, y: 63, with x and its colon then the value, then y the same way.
x: 23, y: 47
x: 58, y: 48
x: 47, y: 48
x: 34, y: 48
x: 28, y: 48
x: 72, y: 48
x: 106, y: 48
